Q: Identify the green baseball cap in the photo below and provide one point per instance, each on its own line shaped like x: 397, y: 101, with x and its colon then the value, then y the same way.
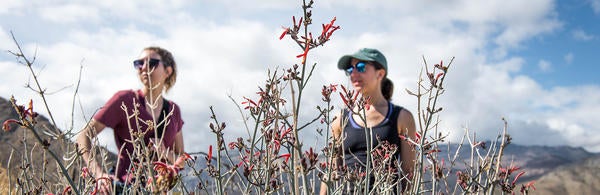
x: 364, y: 54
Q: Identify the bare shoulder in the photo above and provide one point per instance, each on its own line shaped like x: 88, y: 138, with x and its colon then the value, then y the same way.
x: 406, y: 121
x: 405, y: 116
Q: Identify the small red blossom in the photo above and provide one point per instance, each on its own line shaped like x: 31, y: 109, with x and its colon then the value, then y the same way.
x: 6, y: 124
x: 181, y: 159
x: 249, y: 103
x: 67, y: 189
x: 210, y: 150
x: 85, y: 172
x: 300, y: 22
x: 166, y: 177
x: 517, y: 177
x: 525, y: 188
x: 277, y: 146
x: 244, y: 160
x: 368, y: 103
x: 232, y: 145
x: 285, y: 32
x: 108, y: 180
x: 286, y: 156
x: 439, y: 75
x: 323, y: 165
x: 328, y: 29
x: 306, y: 48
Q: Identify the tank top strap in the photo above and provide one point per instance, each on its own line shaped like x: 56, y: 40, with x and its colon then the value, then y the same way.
x: 390, y: 117
x: 395, y: 114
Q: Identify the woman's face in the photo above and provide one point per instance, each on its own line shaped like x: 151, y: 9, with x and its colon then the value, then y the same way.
x: 368, y: 80
x: 153, y: 72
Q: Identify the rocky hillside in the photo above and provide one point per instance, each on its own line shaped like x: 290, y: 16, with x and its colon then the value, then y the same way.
x: 576, y: 178
x: 535, y: 160
x: 26, y: 151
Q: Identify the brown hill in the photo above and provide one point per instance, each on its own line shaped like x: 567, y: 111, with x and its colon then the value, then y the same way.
x: 29, y: 161
x: 577, y: 178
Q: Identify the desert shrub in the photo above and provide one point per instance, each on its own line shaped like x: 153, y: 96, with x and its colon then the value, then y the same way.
x: 273, y: 158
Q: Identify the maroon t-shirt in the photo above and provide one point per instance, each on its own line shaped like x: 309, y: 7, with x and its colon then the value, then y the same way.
x: 113, y: 116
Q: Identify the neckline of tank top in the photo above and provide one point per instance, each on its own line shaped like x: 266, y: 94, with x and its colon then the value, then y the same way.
x: 384, y: 121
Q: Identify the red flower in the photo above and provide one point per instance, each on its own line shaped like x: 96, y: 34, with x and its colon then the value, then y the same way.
x: 326, y: 33
x: 525, y: 188
x: 517, y: 177
x: 418, y: 136
x: 286, y: 156
x: 209, y: 156
x: 6, y: 124
x: 96, y: 184
x: 306, y: 48
x: 67, y: 189
x: 285, y: 32
x: 181, y: 159
x: 232, y: 145
x: 85, y: 172
x: 439, y: 75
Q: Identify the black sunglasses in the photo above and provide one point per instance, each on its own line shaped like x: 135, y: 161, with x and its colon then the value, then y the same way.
x: 140, y: 63
x: 360, y: 67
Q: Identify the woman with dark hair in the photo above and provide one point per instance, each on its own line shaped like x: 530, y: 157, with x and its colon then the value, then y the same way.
x: 367, y: 70
x: 140, y: 112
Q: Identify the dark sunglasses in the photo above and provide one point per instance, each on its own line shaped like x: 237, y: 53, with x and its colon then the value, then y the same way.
x: 360, y: 67
x: 140, y: 63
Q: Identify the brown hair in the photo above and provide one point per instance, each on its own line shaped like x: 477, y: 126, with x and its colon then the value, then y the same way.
x: 167, y: 60
x: 387, y: 86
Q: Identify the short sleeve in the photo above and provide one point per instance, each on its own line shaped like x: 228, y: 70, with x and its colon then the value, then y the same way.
x: 111, y: 113
x: 179, y: 120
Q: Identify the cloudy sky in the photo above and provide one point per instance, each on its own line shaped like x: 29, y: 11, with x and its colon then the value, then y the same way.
x: 531, y: 62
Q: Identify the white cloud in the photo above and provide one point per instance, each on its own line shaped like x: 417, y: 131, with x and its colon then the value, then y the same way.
x: 544, y: 66
x: 69, y: 13
x: 10, y: 5
x: 595, y: 6
x: 232, y: 55
x: 581, y: 35
x: 569, y: 57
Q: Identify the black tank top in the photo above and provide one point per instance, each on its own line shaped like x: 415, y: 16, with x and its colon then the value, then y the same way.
x: 354, y: 138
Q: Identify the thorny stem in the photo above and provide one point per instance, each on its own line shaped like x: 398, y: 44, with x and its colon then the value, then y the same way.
x: 74, y: 96
x: 423, y: 130
x: 500, y: 153
x: 218, y: 129
x: 8, y: 171
x: 40, y: 91
x: 47, y: 149
x: 296, y: 109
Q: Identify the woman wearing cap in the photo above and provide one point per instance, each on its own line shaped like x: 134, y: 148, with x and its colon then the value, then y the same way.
x: 367, y: 71
x: 156, y: 69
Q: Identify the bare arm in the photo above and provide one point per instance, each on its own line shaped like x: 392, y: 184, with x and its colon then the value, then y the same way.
x: 178, y: 148
x: 406, y: 126
x: 84, y: 138
x: 85, y: 144
x: 336, y: 130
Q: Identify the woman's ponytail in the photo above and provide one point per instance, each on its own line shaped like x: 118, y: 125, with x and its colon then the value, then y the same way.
x: 387, y: 88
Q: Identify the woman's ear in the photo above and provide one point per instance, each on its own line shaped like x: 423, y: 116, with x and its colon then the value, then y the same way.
x: 380, y: 73
x: 169, y: 71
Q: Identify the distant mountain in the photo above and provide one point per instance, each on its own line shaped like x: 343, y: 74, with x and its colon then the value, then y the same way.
x: 534, y: 160
x: 576, y: 178
x: 25, y: 147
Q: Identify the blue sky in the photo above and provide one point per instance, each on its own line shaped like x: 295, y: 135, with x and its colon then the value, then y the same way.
x: 532, y: 62
x: 577, y: 38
